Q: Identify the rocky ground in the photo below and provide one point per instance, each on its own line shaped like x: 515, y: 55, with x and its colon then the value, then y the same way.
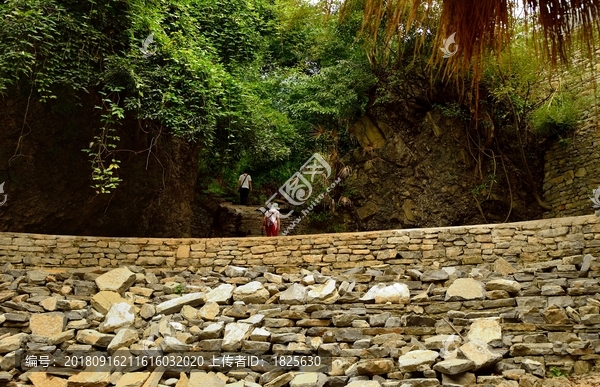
x: 367, y: 327
x: 592, y: 380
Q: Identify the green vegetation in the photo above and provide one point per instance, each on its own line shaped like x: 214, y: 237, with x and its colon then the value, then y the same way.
x: 556, y: 372
x: 247, y: 79
x: 179, y: 289
x: 262, y: 84
x: 556, y: 118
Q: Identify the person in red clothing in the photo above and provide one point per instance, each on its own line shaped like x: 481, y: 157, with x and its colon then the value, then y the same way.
x: 272, y: 220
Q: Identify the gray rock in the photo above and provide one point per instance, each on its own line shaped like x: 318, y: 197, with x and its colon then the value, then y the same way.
x: 203, y: 379
x: 274, y: 278
x: 364, y: 383
x: 552, y: 290
x: 212, y: 331
x: 147, y: 311
x: 120, y: 315
x: 534, y: 367
x: 172, y: 344
x: 209, y: 311
x: 325, y: 293
x: 308, y: 379
x: 454, y: 366
x: 174, y: 305
x: 296, y: 294
x: 375, y: 366
x: 434, y: 276
x: 221, y: 294
x: 12, y: 343
x: 234, y: 334
x: 414, y: 359
x: 93, y: 337
x: 123, y: 338
x: 587, y: 262
x: 509, y: 286
x: 234, y: 271
x: 251, y: 293
x: 486, y: 330
x: 480, y: 354
x: 379, y: 320
x: 463, y: 380
x: 47, y: 324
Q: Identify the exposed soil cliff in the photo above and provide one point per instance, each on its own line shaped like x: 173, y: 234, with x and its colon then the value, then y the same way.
x: 47, y: 176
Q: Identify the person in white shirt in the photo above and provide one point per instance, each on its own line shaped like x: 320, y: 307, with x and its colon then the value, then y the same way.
x: 244, y: 185
x: 272, y: 220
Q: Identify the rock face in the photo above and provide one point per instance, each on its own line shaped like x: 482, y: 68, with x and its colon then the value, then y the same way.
x: 454, y: 366
x: 234, y: 334
x: 103, y: 300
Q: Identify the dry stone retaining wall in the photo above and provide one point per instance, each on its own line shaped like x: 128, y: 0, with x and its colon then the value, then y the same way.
x: 518, y: 243
x: 370, y: 327
x: 485, y: 305
x: 571, y: 172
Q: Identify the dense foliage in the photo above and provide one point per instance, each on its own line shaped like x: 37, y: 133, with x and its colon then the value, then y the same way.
x: 249, y: 79
x: 259, y: 84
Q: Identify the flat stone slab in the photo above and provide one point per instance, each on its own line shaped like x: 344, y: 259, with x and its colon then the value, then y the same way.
x: 412, y: 360
x: 117, y: 280
x: 465, y: 289
x: 174, y: 305
x: 454, y: 366
x: 47, y: 324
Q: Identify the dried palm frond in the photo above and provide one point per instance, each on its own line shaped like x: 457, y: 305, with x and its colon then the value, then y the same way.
x: 481, y: 24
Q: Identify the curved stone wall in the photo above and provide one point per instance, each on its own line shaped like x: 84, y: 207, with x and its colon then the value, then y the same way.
x: 502, y: 305
x: 517, y: 243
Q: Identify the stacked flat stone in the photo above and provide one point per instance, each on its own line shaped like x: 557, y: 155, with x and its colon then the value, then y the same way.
x: 382, y: 326
x: 518, y: 243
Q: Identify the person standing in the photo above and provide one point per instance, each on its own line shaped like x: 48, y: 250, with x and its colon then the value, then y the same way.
x: 272, y: 220
x: 244, y: 185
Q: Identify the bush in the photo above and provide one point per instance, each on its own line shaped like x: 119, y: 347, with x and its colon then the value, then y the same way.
x: 557, y: 118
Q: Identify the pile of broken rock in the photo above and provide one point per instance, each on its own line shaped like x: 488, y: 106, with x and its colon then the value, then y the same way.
x: 414, y: 328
